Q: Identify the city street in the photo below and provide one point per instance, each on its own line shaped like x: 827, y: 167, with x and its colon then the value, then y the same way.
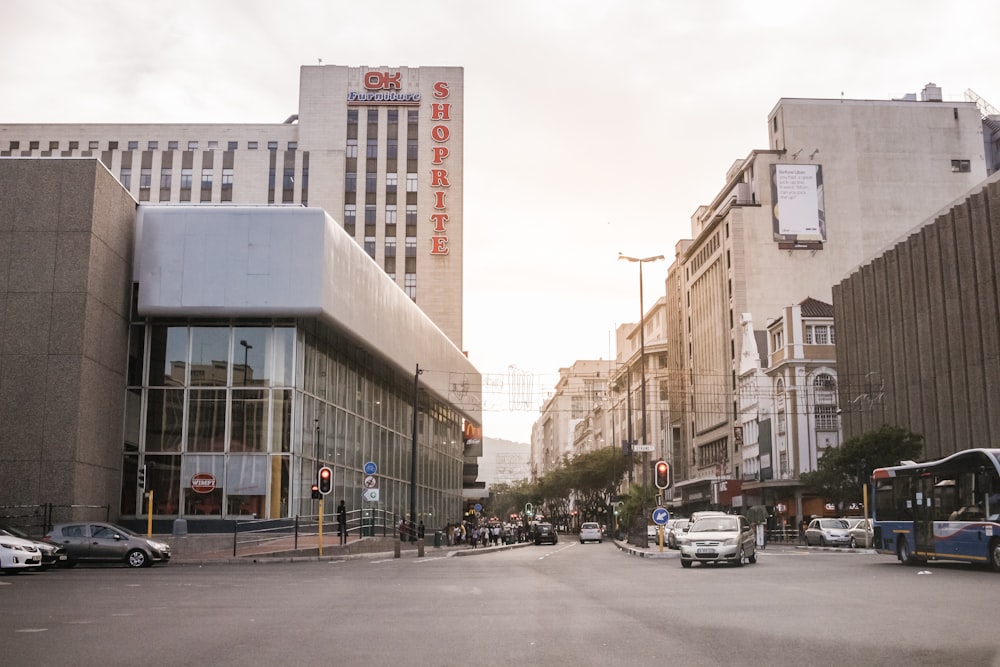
x: 565, y: 604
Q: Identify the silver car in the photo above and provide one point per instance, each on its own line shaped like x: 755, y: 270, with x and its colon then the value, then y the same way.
x: 828, y: 532
x: 862, y: 534
x: 590, y: 531
x: 727, y: 538
x: 105, y: 542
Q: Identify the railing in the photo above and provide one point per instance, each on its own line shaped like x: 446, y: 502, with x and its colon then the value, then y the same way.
x: 268, y: 535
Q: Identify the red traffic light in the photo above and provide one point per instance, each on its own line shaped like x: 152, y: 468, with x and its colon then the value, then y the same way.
x: 325, y: 480
x: 662, y: 474
x: 316, y: 495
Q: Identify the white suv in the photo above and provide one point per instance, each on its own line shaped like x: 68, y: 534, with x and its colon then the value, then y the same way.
x: 590, y: 531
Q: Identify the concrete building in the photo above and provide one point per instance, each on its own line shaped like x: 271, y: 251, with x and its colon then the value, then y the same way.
x: 379, y: 149
x: 226, y: 351
x: 919, y: 330
x: 839, y: 181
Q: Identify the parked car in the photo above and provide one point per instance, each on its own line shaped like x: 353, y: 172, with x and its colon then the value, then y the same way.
x: 862, y: 534
x: 590, y: 531
x: 52, y: 554
x: 17, y: 555
x: 674, y: 530
x: 727, y: 538
x: 106, y: 542
x: 828, y: 532
x: 544, y: 532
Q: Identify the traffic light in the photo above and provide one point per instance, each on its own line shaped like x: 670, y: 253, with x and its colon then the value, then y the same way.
x: 316, y: 495
x: 142, y: 478
x: 325, y: 480
x: 662, y: 475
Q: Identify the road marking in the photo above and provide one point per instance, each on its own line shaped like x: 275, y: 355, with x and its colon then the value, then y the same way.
x: 32, y: 630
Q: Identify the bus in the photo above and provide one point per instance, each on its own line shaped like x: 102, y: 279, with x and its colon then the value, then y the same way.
x: 946, y: 509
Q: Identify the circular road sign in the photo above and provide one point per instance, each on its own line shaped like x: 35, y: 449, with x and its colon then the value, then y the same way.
x: 660, y: 516
x: 371, y: 468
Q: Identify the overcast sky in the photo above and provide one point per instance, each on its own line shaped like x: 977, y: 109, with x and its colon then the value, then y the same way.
x: 591, y: 127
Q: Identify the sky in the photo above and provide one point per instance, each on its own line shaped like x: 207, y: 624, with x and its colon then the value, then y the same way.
x: 591, y: 127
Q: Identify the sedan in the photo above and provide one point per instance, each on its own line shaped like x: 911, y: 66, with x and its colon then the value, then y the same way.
x: 107, y: 542
x: 17, y: 554
x: 862, y: 534
x: 51, y: 554
x: 828, y: 532
x: 590, y: 531
x: 719, y: 539
x: 674, y: 531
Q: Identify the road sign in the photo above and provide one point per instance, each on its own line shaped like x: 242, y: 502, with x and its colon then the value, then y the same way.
x: 370, y: 495
x: 371, y: 468
x: 660, y: 516
x: 643, y: 448
x: 371, y: 482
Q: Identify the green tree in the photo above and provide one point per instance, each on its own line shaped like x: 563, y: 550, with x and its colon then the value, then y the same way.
x: 843, y: 470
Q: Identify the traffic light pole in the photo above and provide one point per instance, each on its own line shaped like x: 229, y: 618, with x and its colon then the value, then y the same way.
x: 321, y: 526
x: 149, y: 514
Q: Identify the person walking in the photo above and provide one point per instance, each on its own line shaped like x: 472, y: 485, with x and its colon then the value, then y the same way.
x: 342, y: 522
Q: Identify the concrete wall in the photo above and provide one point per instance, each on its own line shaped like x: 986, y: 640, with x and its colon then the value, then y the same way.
x: 918, y: 331
x: 66, y: 239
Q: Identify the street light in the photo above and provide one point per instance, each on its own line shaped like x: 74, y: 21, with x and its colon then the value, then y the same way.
x: 642, y: 363
x: 246, y: 353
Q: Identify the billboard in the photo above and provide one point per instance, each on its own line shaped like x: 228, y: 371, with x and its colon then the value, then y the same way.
x: 798, y: 213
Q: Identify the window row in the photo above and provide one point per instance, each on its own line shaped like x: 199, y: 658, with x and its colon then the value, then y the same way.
x: 152, y: 145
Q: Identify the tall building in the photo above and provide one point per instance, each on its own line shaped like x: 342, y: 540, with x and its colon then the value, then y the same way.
x: 379, y: 149
x: 839, y: 181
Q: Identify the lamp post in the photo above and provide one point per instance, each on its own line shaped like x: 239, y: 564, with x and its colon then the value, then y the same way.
x: 246, y: 353
x: 644, y: 539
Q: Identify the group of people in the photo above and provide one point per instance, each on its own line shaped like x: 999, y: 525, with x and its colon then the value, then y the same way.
x: 484, y: 535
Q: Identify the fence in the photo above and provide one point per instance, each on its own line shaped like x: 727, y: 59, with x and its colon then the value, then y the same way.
x: 38, y: 519
x: 259, y: 535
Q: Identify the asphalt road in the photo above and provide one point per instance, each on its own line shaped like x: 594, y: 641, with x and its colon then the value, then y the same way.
x: 567, y: 604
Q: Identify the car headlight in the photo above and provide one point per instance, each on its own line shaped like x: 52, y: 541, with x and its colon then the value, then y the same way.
x: 729, y: 542
x: 15, y: 547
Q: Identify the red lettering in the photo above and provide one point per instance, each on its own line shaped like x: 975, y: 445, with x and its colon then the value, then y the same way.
x: 439, y: 199
x: 383, y: 80
x: 440, y: 111
x: 439, y: 245
x: 439, y: 178
x: 440, y: 90
x: 439, y: 219
x: 439, y: 153
x: 440, y: 133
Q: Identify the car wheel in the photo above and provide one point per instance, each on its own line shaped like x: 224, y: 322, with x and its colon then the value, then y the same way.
x: 854, y: 543
x: 753, y: 558
x: 600, y: 541
x: 740, y: 557
x: 822, y: 540
x: 136, y: 558
x: 685, y: 563
x: 995, y: 554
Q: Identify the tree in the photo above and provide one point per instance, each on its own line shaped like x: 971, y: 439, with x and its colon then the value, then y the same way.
x: 842, y: 471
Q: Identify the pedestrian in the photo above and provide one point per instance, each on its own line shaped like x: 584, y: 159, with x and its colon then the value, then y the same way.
x: 342, y: 521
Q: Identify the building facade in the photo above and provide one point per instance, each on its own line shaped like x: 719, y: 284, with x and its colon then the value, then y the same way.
x: 839, y: 181
x: 379, y: 149
x: 227, y: 352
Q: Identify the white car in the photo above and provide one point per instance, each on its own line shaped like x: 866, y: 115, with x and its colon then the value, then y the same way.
x: 17, y: 554
x: 590, y: 531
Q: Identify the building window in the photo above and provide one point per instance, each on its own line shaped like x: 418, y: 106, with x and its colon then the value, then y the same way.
x: 411, y: 246
x: 961, y: 166
x: 232, y: 145
x: 272, y: 145
x: 192, y: 145
x: 372, y: 152
x: 166, y: 178
x: 369, y: 214
x: 819, y: 334
x: 392, y: 149
x: 206, y: 179
x: 350, y: 214
x: 370, y: 246
x: 145, y: 178
x: 74, y: 145
x: 251, y: 145
x: 410, y: 285
x: 370, y: 182
x: 351, y: 182
x: 133, y: 145
x: 390, y: 182
x: 373, y: 115
x: 153, y: 145
x: 53, y: 145
x: 213, y: 145
x: 411, y: 214
x: 777, y: 340
x: 411, y: 149
x: 126, y: 178
x: 227, y: 178
x: 393, y: 117
x: 390, y: 247
x: 112, y: 145
x: 826, y: 418
x: 293, y: 145
x: 92, y: 145
x: 412, y: 116
x: 825, y: 382
x: 390, y: 214
x: 352, y: 148
x: 411, y: 182
x: 186, y: 177
x: 172, y: 145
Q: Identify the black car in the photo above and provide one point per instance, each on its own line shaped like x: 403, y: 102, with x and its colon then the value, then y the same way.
x: 544, y: 532
x: 52, y: 554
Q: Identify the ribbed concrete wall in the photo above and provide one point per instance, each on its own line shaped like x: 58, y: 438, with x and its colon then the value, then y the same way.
x: 918, y: 331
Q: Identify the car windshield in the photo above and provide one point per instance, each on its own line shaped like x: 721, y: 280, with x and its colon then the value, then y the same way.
x: 590, y: 526
x: 715, y: 524
x: 833, y: 523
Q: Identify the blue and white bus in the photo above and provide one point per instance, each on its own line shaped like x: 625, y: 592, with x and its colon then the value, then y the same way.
x: 946, y: 509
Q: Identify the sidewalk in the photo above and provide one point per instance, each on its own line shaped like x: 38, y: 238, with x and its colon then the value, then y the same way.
x: 652, y: 551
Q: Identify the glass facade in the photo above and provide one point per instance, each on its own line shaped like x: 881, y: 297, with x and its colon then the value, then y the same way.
x: 233, y: 420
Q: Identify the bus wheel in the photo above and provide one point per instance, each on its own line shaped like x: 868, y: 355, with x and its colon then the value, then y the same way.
x: 995, y: 554
x: 904, y: 554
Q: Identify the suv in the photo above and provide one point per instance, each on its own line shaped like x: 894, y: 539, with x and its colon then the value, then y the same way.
x: 727, y: 538
x: 544, y: 532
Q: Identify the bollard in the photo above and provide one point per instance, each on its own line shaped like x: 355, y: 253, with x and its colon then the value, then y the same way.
x: 396, y: 548
x: 437, y: 539
x: 420, y: 548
